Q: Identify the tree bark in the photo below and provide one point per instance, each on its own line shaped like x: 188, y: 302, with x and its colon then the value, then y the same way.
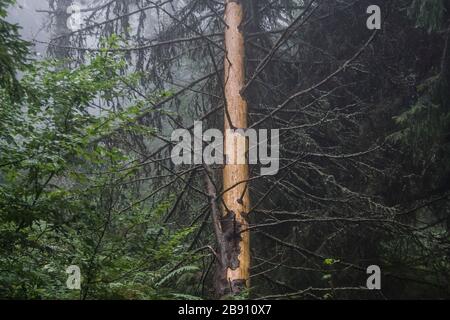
x: 235, y: 248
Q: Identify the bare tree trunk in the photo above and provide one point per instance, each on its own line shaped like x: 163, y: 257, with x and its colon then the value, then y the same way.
x: 60, y: 28
x: 235, y: 247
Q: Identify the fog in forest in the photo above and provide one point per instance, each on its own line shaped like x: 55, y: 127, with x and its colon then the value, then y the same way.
x: 249, y: 149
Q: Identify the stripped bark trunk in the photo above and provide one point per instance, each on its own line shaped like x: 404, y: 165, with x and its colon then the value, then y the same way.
x: 233, y: 272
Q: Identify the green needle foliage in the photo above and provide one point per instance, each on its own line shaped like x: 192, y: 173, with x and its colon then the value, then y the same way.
x: 57, y: 177
x: 13, y: 52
